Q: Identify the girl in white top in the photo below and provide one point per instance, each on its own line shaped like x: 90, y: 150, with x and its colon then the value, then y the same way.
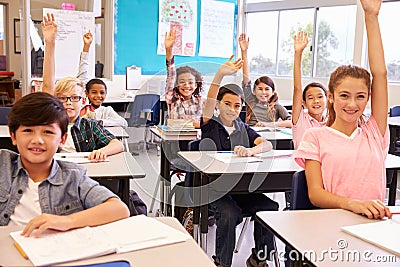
x: 313, y: 98
x: 345, y: 161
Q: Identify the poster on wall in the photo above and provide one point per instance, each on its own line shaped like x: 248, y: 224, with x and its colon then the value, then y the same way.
x: 216, y: 28
x: 180, y: 15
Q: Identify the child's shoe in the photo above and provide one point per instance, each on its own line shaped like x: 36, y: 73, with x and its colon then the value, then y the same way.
x: 252, y: 261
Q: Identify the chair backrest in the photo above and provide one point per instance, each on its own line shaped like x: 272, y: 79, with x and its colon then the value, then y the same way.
x: 3, y: 115
x: 394, y: 111
x: 299, y: 199
x: 145, y: 110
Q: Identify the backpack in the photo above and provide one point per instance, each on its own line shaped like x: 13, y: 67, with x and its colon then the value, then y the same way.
x: 136, y: 204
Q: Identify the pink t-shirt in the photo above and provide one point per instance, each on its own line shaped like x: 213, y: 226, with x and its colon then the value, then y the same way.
x: 304, y: 122
x: 352, y: 166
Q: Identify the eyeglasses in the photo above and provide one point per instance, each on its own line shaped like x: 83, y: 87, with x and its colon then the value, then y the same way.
x: 74, y: 98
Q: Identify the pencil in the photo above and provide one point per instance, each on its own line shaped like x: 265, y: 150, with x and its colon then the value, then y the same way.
x: 21, y: 251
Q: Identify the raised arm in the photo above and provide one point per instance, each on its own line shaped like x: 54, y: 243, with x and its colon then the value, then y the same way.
x: 84, y: 58
x: 171, y: 70
x: 49, y: 29
x: 300, y: 42
x: 244, y: 45
x: 227, y: 68
x: 376, y: 57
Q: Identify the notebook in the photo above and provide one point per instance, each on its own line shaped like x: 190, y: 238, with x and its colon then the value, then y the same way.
x: 133, y: 233
x: 384, y: 234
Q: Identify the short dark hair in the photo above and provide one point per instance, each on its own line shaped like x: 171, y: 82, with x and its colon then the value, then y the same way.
x: 95, y: 81
x: 232, y: 89
x: 38, y: 109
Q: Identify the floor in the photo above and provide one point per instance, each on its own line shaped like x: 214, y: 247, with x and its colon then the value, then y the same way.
x: 149, y: 160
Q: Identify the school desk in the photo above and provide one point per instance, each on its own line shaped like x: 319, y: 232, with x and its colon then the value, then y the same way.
x: 316, y: 235
x: 165, y: 165
x: 281, y: 138
x: 121, y: 167
x: 120, y: 134
x: 119, y: 104
x: 270, y: 175
x: 186, y: 253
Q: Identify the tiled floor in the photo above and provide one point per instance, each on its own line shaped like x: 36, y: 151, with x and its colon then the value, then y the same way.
x: 150, y: 162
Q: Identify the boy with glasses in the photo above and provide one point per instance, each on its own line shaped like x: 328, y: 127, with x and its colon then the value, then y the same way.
x: 84, y: 134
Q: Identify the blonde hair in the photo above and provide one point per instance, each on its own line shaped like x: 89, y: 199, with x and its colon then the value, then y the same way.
x: 67, y: 84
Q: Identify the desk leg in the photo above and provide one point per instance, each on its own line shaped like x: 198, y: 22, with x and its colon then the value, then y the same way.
x: 125, y: 190
x: 165, y: 187
x: 204, y: 211
x: 392, y: 188
x: 196, y: 206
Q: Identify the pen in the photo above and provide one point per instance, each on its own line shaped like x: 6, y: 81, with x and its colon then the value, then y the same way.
x: 21, y: 251
x: 73, y: 156
x: 225, y: 152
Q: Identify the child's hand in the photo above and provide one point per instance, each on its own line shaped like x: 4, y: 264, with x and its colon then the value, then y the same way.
x: 97, y: 155
x: 169, y: 39
x: 241, y: 151
x: 300, y: 41
x: 244, y: 42
x: 230, y: 67
x: 49, y: 28
x: 87, y: 38
x: 373, y: 209
x: 47, y: 221
x: 371, y: 7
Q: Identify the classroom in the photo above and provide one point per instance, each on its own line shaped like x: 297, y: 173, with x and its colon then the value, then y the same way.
x: 128, y: 53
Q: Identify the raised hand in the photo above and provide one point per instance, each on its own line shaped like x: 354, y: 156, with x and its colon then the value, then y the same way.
x: 300, y: 41
x: 169, y: 39
x: 87, y: 41
x: 49, y: 28
x: 244, y: 42
x: 230, y: 67
x: 371, y: 7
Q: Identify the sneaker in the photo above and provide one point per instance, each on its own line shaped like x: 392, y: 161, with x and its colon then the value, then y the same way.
x: 216, y: 262
x: 187, y: 221
x: 253, y: 262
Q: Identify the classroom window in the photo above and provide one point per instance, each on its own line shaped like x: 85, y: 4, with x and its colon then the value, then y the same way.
x: 389, y: 18
x: 334, y: 38
x: 271, y: 47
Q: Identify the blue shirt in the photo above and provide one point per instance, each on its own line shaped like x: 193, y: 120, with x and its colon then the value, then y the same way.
x: 67, y: 189
x: 89, y: 135
x: 215, y: 131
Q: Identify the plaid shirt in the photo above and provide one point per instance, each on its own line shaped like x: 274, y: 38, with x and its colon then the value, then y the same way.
x: 89, y: 135
x: 178, y: 107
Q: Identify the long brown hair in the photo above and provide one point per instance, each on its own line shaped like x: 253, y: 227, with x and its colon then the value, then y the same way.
x: 271, y: 101
x: 337, y: 76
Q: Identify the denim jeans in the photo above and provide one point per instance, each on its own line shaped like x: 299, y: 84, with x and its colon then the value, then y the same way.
x: 228, y: 212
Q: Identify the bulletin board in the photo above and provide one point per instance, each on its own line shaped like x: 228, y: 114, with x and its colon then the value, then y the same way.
x: 135, y: 39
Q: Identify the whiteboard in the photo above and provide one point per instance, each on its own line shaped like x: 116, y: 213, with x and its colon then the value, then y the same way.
x: 72, y: 25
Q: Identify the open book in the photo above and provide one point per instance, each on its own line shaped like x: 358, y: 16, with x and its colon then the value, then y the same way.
x: 230, y: 157
x: 384, y: 234
x: 133, y: 233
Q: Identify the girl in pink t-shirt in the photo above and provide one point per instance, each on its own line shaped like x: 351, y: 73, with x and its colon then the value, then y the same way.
x: 345, y: 161
x: 313, y: 98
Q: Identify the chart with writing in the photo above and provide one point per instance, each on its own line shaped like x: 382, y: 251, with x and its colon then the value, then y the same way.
x: 180, y: 15
x: 216, y: 28
x: 72, y: 25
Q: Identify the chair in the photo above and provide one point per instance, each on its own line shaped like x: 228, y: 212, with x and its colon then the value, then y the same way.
x: 299, y: 197
x: 395, y: 112
x: 145, y: 111
x: 3, y: 115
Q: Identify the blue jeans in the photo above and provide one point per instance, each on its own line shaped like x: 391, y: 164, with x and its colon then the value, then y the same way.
x: 228, y: 212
